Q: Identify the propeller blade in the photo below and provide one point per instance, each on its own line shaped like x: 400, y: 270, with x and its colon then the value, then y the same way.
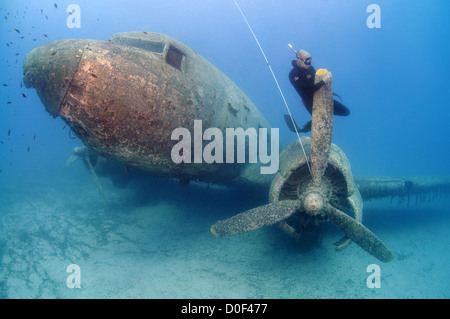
x: 322, y: 127
x: 256, y: 218
x: 360, y: 234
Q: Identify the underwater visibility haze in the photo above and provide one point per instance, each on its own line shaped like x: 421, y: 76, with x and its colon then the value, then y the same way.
x: 73, y: 231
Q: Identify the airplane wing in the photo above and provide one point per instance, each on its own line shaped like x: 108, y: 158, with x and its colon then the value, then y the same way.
x: 378, y: 187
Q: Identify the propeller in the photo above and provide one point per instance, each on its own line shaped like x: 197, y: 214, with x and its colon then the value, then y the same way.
x: 362, y: 236
x: 256, y: 218
x: 313, y: 200
x: 321, y: 130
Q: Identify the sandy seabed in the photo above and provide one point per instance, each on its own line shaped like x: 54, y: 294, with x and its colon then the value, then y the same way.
x: 157, y: 244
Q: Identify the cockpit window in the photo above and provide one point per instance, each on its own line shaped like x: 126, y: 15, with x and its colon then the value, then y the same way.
x: 175, y: 57
x: 152, y: 46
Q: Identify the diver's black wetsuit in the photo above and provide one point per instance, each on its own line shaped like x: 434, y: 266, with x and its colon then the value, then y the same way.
x: 303, y: 82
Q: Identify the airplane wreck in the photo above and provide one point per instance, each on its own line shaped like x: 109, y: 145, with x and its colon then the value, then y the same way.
x: 124, y: 97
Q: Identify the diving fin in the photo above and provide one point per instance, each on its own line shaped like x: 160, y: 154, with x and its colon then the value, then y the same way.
x: 306, y: 128
x: 293, y: 127
x: 290, y: 122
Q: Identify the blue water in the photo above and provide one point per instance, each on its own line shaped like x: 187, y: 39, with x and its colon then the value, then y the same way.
x: 153, y: 239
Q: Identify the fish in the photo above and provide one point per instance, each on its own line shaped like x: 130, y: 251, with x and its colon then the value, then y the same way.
x: 23, y: 95
x: 52, y: 54
x: 56, y: 6
x: 9, y: 102
x: 45, y: 36
x: 5, y: 84
x: 1, y: 170
x: 28, y: 149
x: 34, y: 138
x: 9, y: 132
x: 64, y: 127
x: 16, y: 30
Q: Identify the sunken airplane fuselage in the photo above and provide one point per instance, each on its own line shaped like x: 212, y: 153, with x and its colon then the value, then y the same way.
x: 124, y: 97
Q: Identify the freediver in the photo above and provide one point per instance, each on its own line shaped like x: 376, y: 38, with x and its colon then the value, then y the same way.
x: 302, y: 78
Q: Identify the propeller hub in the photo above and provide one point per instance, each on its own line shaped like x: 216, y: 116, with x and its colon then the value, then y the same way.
x: 313, y: 203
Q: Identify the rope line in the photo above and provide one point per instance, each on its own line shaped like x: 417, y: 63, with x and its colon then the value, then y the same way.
x: 279, y: 88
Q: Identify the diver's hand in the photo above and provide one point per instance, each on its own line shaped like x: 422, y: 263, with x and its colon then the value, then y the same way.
x: 327, y: 77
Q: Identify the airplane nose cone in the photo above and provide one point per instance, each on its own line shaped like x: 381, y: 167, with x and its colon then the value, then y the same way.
x: 50, y: 68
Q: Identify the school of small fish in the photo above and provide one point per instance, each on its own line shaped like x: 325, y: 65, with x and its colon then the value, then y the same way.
x: 7, y: 137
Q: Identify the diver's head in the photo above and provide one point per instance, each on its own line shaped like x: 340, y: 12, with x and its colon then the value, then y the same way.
x: 303, y: 59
